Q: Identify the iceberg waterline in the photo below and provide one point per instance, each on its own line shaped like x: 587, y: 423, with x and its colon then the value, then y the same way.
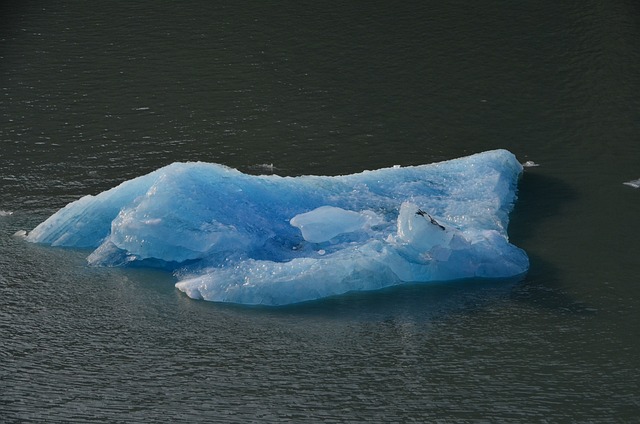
x: 277, y: 240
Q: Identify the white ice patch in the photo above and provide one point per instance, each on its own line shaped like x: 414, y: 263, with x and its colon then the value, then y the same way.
x: 326, y: 222
x: 633, y: 183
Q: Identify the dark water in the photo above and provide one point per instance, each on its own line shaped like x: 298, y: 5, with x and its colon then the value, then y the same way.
x: 94, y: 94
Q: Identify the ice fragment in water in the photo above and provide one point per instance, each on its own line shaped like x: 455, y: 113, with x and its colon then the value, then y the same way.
x: 277, y: 240
x: 633, y: 183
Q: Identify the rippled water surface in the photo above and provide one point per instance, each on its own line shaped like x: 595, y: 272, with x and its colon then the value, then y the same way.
x: 95, y: 94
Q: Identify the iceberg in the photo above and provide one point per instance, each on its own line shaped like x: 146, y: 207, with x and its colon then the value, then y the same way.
x: 273, y: 240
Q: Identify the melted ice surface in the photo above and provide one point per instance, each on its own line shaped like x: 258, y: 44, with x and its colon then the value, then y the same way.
x: 278, y: 240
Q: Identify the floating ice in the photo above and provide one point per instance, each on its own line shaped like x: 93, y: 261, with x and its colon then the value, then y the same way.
x: 263, y: 167
x: 277, y: 240
x: 633, y: 183
x: 5, y: 213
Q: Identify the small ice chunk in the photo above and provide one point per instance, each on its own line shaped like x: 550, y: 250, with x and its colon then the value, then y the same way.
x: 326, y: 222
x: 20, y: 234
x: 5, y: 213
x: 420, y: 230
x: 264, y: 167
x: 633, y: 183
x: 530, y: 164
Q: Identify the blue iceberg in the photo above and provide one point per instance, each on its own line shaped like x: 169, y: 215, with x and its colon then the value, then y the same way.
x: 272, y: 240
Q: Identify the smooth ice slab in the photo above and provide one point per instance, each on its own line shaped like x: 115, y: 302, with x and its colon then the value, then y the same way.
x: 277, y: 240
x: 326, y: 222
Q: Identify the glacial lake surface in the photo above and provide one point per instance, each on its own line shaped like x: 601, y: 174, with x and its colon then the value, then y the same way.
x: 94, y: 94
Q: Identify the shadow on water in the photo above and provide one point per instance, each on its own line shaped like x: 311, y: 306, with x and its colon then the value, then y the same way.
x: 541, y: 199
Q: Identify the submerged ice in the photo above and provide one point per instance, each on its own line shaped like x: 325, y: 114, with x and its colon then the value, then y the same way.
x: 233, y: 237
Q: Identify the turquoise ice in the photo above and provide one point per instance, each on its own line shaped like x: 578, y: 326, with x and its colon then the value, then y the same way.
x: 233, y: 237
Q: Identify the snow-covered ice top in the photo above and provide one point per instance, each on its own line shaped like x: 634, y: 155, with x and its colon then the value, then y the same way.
x: 277, y: 240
